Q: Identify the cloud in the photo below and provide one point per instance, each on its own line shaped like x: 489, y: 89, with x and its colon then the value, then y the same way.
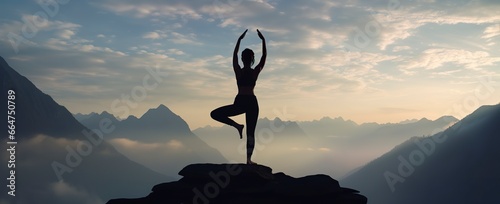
x: 34, y: 23
x: 230, y: 12
x: 400, y: 48
x: 447, y: 73
x: 180, y: 38
x: 324, y: 149
x: 316, y: 38
x: 57, y: 44
x: 316, y: 24
x: 66, y: 34
x: 310, y: 149
x: 305, y: 44
x: 175, y: 144
x: 176, y: 51
x: 93, y: 48
x: 154, y: 35
x: 132, y: 145
x: 39, y: 180
x: 153, y: 155
x: 30, y: 26
x: 490, y: 33
x: 438, y: 57
x: 65, y: 191
x: 142, y: 9
x: 400, y: 21
x: 151, y: 35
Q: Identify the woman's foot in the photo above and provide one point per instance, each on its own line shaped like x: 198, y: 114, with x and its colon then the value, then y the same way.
x: 240, y: 130
x: 250, y: 162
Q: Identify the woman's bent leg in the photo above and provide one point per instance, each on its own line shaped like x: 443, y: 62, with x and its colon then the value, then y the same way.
x: 222, y: 115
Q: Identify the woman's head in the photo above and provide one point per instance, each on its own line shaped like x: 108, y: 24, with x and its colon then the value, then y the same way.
x: 248, y: 58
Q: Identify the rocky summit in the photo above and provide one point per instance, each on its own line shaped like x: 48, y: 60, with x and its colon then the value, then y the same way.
x: 242, y: 183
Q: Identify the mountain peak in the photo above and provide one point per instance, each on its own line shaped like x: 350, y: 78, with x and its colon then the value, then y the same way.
x: 482, y: 112
x: 2, y: 62
x: 106, y: 114
x: 340, y: 118
x: 161, y: 106
x: 81, y: 116
x: 328, y: 119
x: 447, y: 118
x: 277, y: 119
x: 424, y: 119
x: 408, y: 121
x: 486, y: 108
x: 131, y: 117
x: 4, y: 67
x: 160, y: 119
x: 161, y: 111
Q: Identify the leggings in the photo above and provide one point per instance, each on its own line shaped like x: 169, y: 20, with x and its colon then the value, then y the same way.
x: 242, y: 104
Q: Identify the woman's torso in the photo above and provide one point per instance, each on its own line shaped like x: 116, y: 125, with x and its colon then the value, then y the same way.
x: 246, y: 81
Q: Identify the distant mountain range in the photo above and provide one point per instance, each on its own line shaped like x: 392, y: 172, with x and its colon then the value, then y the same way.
x: 159, y: 139
x: 55, y: 161
x: 356, y: 145
x: 459, y: 165
x: 338, y: 127
x: 333, y: 146
x: 160, y: 121
x: 275, y: 143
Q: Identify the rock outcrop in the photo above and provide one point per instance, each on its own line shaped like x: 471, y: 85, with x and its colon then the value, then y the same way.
x: 241, y: 183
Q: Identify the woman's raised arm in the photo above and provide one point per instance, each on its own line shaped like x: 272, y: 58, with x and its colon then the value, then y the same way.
x: 236, y: 66
x: 260, y: 66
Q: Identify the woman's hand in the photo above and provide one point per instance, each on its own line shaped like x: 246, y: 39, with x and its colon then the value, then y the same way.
x: 260, y: 66
x: 243, y: 35
x: 260, y: 35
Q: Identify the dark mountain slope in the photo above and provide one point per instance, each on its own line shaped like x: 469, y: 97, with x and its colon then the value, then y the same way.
x: 56, y: 161
x: 459, y: 165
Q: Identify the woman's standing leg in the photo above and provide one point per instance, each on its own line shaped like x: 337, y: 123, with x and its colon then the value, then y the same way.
x: 252, y: 114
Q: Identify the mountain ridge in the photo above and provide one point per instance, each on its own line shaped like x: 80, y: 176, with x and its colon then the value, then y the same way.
x: 56, y: 152
x: 159, y: 139
x: 461, y: 162
x: 33, y: 107
x: 321, y: 141
x: 160, y: 120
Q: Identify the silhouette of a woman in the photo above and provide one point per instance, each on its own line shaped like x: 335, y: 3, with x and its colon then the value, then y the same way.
x: 245, y: 101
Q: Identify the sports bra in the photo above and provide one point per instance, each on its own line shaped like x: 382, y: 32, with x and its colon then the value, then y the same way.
x: 247, y: 78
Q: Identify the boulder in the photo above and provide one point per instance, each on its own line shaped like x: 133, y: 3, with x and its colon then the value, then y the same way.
x: 242, y: 183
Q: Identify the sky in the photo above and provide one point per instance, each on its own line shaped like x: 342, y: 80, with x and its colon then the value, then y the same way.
x: 368, y: 61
